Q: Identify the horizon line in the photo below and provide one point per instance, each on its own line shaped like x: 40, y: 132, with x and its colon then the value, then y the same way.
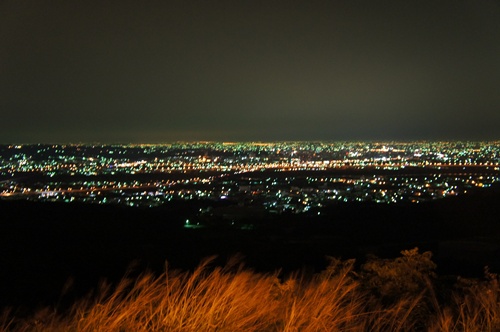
x: 228, y: 142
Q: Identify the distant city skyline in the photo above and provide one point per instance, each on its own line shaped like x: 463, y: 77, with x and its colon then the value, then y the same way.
x: 249, y: 71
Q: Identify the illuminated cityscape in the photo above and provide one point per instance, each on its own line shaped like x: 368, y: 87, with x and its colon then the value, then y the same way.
x: 250, y: 166
x: 278, y: 177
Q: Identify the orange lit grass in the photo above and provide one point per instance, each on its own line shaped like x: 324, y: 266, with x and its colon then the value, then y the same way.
x: 216, y: 299
x: 236, y: 299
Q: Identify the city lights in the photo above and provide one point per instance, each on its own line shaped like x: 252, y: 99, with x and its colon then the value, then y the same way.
x: 280, y: 176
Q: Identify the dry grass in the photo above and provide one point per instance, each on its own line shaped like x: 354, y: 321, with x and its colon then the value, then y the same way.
x: 475, y: 307
x: 232, y: 298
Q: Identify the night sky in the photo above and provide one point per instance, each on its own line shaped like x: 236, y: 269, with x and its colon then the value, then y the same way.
x: 146, y: 71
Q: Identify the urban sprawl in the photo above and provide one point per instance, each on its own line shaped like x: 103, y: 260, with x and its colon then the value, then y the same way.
x: 277, y: 177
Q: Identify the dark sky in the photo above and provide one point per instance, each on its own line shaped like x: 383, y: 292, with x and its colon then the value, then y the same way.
x: 145, y: 71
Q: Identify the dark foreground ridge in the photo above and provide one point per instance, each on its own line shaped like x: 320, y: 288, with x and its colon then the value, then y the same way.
x: 46, y: 248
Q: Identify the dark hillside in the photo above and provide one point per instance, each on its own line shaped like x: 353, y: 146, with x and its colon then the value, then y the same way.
x: 44, y: 245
